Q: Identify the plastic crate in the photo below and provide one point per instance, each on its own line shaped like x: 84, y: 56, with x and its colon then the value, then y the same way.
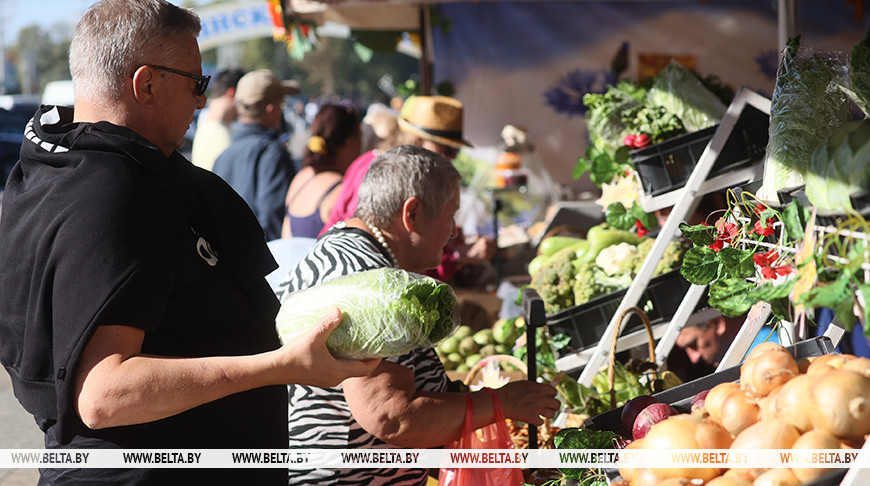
x: 680, y: 398
x: 586, y: 323
x: 666, y: 166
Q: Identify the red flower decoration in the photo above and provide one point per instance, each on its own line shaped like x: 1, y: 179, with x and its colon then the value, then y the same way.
x: 766, y: 260
x: 725, y: 232
x: 763, y: 228
x: 641, y: 229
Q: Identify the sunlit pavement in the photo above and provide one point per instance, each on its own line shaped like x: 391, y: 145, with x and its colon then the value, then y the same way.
x: 17, y: 431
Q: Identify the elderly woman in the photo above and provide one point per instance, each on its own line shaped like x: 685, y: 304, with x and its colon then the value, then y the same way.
x: 404, y: 218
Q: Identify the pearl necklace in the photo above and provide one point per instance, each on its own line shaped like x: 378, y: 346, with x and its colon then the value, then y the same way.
x: 380, y: 237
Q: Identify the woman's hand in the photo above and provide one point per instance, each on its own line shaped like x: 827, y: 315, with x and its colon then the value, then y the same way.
x: 527, y: 401
x: 307, y: 361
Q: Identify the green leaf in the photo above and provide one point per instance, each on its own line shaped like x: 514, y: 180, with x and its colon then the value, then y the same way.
x: 575, y: 438
x: 736, y: 263
x: 730, y: 297
x: 699, y: 234
x: 827, y: 295
x: 645, y: 218
x: 617, y: 217
x: 794, y: 219
x: 864, y: 290
x: 700, y: 265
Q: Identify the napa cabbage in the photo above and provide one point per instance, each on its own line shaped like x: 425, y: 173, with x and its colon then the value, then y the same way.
x: 385, y: 312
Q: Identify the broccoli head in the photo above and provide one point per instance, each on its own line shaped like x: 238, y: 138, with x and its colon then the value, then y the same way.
x: 554, y: 282
x: 592, y: 281
x: 671, y: 259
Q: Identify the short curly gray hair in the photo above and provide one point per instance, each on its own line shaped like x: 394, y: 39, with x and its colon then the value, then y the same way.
x: 401, y: 173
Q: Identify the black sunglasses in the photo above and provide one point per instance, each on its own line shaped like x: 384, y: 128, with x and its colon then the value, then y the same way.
x: 201, y: 81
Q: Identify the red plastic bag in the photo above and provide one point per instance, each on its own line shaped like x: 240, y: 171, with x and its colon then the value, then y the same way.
x: 493, y: 436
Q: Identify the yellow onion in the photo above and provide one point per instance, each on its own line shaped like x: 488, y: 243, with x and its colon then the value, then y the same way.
x: 790, y: 403
x: 745, y: 474
x: 738, y: 412
x: 763, y: 373
x: 627, y: 473
x: 763, y: 348
x: 781, y: 476
x: 645, y: 477
x: 717, y: 395
x: 766, y: 404
x: 727, y: 480
x: 827, y: 362
x: 767, y: 434
x: 840, y: 404
x: 814, y: 439
x: 687, y: 431
x: 860, y: 365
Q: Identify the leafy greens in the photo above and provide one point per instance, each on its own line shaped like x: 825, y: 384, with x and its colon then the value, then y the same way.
x: 385, y: 312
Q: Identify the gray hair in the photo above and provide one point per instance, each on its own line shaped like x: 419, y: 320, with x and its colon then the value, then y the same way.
x: 116, y: 37
x: 401, y: 173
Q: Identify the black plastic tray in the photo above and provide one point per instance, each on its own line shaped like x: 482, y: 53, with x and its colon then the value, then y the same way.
x: 680, y: 397
x: 666, y: 166
x: 586, y: 323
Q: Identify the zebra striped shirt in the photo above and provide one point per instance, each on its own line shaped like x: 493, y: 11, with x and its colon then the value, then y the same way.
x: 320, y: 417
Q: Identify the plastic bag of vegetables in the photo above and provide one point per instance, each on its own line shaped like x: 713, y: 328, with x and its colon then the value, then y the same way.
x: 385, y: 312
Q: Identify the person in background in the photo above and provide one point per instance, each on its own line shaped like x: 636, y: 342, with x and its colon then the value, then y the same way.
x: 407, y: 202
x: 333, y: 145
x: 215, y: 121
x: 434, y: 123
x: 256, y: 163
x: 133, y: 305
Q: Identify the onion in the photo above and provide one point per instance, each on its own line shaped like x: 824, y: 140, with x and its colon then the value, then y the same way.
x: 627, y: 473
x: 814, y: 439
x: 763, y: 348
x: 790, y: 403
x: 860, y: 365
x: 680, y: 482
x: 632, y: 408
x: 766, y: 404
x: 732, y: 480
x: 717, y: 394
x: 746, y: 474
x: 759, y: 376
x: 804, y: 364
x: 840, y: 404
x: 781, y: 476
x: 649, y: 416
x: 646, y: 477
x: 828, y: 362
x: 767, y: 434
x: 686, y: 431
x: 738, y: 412
x: 698, y: 402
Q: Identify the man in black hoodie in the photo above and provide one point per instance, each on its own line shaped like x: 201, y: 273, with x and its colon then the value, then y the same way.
x: 134, y: 312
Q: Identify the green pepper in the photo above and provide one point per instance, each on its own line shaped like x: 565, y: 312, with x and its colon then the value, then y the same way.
x: 551, y: 244
x: 602, y: 236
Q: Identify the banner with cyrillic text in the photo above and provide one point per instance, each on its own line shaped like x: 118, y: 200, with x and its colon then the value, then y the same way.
x: 430, y: 458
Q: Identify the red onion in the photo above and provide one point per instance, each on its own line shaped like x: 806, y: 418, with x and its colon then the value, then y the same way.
x: 649, y: 416
x: 633, y: 407
x: 698, y: 400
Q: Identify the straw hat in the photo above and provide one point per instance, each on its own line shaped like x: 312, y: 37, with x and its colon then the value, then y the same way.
x: 435, y: 118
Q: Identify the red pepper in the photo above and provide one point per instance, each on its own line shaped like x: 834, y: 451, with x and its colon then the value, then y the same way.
x: 630, y: 140
x: 642, y: 141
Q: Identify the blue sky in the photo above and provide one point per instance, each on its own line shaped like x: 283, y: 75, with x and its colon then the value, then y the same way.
x: 17, y: 14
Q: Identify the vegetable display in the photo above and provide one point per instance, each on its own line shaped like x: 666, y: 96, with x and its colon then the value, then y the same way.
x: 385, y: 312
x: 805, y: 107
x: 819, y: 403
x: 604, y: 262
x: 680, y: 92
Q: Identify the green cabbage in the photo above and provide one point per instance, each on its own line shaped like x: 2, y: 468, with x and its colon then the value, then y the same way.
x: 805, y: 107
x: 385, y: 312
x: 840, y: 167
x: 680, y: 92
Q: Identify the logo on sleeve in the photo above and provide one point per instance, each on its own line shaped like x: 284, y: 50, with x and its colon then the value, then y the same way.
x: 204, y: 250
